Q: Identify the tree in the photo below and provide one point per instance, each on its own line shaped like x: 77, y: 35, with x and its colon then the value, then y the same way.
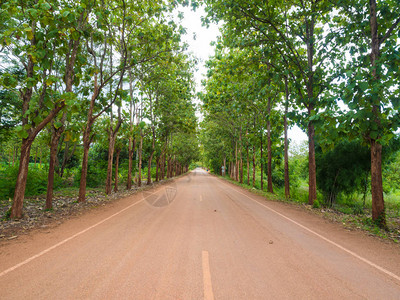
x: 368, y: 33
x: 31, y: 39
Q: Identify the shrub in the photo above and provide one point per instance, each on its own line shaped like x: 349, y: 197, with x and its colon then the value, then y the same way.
x: 36, y: 182
x: 96, y: 176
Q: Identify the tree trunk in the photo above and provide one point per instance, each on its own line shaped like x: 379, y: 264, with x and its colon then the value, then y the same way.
x: 157, y: 167
x: 131, y: 150
x: 116, y: 170
x: 248, y: 165
x: 175, y: 167
x: 168, y: 162
x: 262, y: 163
x: 378, y: 203
x: 85, y: 159
x: 240, y: 156
x: 20, y: 186
x: 312, y: 177
x: 53, y: 153
x: 286, y: 150
x: 236, y: 163
x: 269, y: 150
x: 139, y: 181
x: 132, y: 141
x: 163, y: 166
x: 254, y: 166
x: 149, y: 168
x: 151, y: 157
x: 224, y: 173
x: 111, y: 145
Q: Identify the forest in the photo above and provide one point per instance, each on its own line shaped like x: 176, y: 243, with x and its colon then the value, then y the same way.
x: 330, y: 67
x: 102, y: 94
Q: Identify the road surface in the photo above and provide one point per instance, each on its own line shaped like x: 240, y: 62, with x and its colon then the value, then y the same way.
x: 198, y: 237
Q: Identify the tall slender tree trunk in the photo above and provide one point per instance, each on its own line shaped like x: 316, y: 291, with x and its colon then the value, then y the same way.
x: 240, y: 156
x: 116, y: 170
x: 286, y: 147
x: 175, y: 167
x: 113, y: 133
x: 157, y: 167
x: 149, y: 168
x: 151, y: 157
x: 110, y: 162
x: 378, y: 203
x: 132, y: 141
x: 312, y: 174
x: 248, y: 165
x: 163, y: 160
x: 168, y: 162
x: 55, y: 139
x: 312, y: 177
x: 262, y: 162
x: 139, y: 181
x: 237, y: 162
x: 85, y: 159
x: 254, y: 166
x: 20, y: 186
x: 270, y: 188
x: 224, y: 173
x: 131, y: 150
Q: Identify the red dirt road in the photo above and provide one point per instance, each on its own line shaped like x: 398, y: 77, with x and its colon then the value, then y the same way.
x: 198, y: 238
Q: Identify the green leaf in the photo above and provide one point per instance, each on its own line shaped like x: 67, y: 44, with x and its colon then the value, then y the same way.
x: 75, y: 35
x: 29, y: 33
x: 363, y: 86
x: 373, y: 135
x: 21, y: 132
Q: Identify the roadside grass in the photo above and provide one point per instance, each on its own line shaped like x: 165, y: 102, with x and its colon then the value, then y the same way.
x: 349, y: 211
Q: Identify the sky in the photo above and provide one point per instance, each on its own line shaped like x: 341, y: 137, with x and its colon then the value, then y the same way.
x: 201, y: 48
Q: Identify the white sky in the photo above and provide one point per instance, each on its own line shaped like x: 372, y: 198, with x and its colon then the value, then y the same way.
x: 201, y: 48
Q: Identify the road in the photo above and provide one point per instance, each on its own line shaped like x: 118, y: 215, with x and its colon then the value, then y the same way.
x: 198, y: 237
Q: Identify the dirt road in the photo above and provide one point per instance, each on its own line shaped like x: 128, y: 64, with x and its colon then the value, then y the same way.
x: 198, y: 238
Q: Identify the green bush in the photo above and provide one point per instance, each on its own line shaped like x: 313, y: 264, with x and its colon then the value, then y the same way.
x: 316, y: 204
x: 96, y: 176
x: 36, y: 183
x: 299, y: 194
x: 342, y: 170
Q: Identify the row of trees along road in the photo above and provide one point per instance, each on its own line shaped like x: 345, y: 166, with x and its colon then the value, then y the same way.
x: 72, y: 70
x: 331, y: 67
